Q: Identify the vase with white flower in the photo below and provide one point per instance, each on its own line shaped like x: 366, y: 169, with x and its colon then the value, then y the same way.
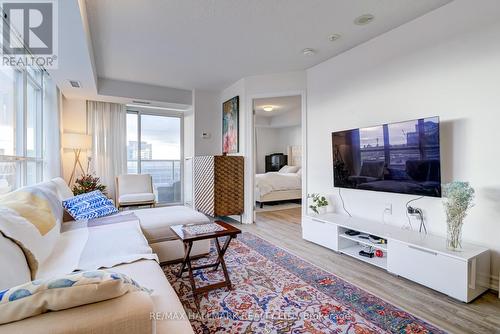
x: 459, y: 198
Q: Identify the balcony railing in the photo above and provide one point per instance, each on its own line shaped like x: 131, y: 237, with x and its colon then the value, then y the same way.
x: 166, y: 176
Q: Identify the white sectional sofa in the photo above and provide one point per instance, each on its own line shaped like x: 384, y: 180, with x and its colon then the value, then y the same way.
x: 135, y: 312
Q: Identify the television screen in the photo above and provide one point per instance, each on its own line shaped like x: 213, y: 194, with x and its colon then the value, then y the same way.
x: 398, y: 157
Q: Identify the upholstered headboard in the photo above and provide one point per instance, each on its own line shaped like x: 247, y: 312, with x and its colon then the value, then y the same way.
x: 295, y: 155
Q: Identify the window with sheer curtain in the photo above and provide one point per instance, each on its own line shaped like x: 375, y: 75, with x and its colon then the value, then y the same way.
x: 21, y: 127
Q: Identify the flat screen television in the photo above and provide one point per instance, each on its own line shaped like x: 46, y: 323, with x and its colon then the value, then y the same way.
x: 399, y: 157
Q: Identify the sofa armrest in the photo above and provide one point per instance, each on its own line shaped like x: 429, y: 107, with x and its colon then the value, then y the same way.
x: 129, y: 313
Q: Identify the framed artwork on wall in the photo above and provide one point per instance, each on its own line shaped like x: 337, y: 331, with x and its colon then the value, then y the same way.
x: 230, y: 125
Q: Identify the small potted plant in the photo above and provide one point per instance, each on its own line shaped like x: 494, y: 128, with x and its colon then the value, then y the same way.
x: 319, y: 203
x: 87, y: 183
x: 459, y: 196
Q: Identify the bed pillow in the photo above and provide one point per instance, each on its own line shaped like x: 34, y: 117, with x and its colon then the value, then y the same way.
x: 289, y: 169
x: 55, y: 294
x: 90, y: 205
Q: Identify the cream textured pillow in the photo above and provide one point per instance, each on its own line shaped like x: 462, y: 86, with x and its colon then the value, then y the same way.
x: 80, y: 288
x: 289, y: 169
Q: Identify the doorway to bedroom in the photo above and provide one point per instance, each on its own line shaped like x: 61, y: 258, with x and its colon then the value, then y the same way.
x: 278, y: 158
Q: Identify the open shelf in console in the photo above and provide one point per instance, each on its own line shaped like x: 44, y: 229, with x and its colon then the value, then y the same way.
x: 352, y: 244
x: 354, y: 252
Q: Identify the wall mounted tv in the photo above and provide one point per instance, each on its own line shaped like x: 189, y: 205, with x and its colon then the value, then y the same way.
x: 398, y: 158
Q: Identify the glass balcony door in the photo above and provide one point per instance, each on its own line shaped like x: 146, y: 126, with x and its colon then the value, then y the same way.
x: 154, y: 148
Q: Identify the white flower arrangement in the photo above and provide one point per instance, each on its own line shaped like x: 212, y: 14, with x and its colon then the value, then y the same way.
x: 459, y: 199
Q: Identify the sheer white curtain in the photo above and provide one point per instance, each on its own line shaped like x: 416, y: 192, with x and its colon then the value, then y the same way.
x: 52, y: 113
x: 107, y: 123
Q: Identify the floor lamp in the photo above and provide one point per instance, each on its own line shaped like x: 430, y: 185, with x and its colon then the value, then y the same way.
x: 77, y: 142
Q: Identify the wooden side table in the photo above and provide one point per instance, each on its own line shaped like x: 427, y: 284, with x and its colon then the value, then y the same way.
x: 187, y: 239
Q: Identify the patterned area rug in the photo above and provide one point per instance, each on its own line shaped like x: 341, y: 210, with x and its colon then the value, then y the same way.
x: 277, y: 292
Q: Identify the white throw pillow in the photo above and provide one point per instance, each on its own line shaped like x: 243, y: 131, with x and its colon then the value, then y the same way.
x: 31, y: 217
x: 15, y: 268
x: 80, y: 288
x: 62, y: 189
x: 289, y: 169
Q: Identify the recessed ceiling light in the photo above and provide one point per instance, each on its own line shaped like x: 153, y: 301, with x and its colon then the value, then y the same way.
x: 268, y: 108
x: 364, y: 19
x: 333, y: 37
x: 308, y: 51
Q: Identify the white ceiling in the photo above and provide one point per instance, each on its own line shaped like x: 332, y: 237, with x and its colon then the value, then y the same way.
x: 208, y: 44
x: 281, y: 105
x: 286, y: 112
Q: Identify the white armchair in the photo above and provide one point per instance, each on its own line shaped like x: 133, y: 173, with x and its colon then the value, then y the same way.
x: 134, y: 189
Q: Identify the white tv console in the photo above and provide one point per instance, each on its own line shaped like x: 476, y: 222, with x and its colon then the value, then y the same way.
x: 422, y: 258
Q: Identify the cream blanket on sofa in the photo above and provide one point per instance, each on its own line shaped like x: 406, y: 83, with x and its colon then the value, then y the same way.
x: 100, y: 243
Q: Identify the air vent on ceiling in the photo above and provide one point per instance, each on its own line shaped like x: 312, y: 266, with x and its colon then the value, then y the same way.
x: 75, y: 84
x: 141, y: 102
x: 364, y: 19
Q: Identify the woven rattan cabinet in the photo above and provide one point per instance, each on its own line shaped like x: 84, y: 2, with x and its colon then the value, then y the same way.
x: 218, y: 185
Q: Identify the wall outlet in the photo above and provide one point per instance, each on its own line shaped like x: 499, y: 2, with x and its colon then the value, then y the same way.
x: 388, y: 208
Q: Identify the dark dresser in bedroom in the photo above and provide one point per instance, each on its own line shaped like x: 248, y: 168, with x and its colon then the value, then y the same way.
x: 218, y: 185
x: 275, y: 161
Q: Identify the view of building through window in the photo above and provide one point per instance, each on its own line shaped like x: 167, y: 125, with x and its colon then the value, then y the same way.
x: 21, y: 144
x: 154, y: 147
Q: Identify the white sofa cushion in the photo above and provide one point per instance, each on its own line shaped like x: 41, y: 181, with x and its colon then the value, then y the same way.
x: 15, y: 268
x: 156, y: 222
x: 136, y: 198
x: 60, y: 293
x: 166, y: 302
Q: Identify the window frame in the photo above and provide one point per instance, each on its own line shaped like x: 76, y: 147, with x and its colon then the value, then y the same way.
x: 20, y: 98
x: 21, y: 109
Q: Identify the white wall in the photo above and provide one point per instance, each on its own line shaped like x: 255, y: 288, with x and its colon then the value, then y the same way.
x: 188, y: 156
x: 74, y: 120
x: 274, y: 140
x: 446, y: 63
x: 208, y: 119
x: 281, y: 84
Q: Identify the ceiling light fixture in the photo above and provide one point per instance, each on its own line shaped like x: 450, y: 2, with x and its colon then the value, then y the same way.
x: 333, y: 37
x: 268, y: 108
x: 364, y: 19
x: 308, y: 51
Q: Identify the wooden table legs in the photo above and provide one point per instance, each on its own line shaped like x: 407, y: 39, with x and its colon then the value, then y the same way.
x: 188, y: 245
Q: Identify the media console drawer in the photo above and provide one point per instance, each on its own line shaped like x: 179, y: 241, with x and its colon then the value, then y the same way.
x: 319, y: 232
x: 437, y: 271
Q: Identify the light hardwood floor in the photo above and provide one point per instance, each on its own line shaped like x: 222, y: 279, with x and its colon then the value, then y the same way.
x: 282, y: 228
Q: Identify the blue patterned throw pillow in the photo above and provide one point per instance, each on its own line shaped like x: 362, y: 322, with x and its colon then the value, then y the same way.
x: 90, y: 205
x: 59, y: 293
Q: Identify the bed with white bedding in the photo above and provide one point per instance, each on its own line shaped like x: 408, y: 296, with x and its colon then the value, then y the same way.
x: 278, y: 186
